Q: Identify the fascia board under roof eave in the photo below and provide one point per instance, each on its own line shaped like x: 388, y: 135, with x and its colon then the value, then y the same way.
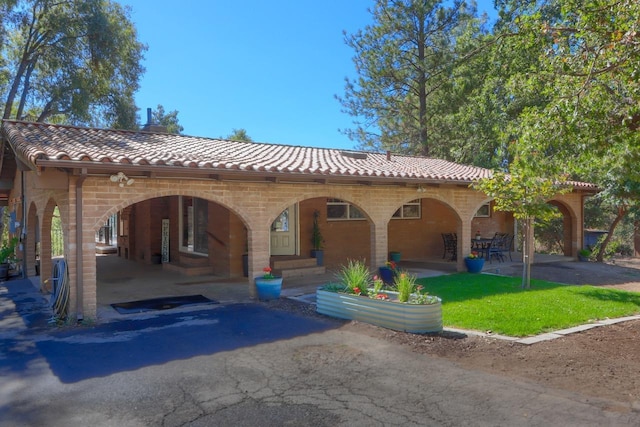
x: 168, y: 171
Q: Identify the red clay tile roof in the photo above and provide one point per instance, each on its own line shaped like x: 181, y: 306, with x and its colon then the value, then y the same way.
x: 39, y: 144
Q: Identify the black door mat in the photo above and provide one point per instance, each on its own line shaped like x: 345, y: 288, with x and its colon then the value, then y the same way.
x: 164, y: 303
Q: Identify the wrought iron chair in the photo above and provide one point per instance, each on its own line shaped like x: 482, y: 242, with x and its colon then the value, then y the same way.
x: 497, y: 247
x: 450, y: 241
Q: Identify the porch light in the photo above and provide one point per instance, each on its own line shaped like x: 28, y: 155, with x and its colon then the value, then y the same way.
x: 420, y: 189
x: 121, y: 179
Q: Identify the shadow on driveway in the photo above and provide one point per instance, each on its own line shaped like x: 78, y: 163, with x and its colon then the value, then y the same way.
x: 80, y: 352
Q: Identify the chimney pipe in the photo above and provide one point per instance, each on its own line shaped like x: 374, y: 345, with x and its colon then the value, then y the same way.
x: 149, y: 121
x: 388, y: 155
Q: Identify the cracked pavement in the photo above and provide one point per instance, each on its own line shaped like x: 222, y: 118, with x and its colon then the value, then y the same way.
x: 247, y: 365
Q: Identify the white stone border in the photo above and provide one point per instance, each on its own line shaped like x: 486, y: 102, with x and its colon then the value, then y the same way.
x: 546, y: 336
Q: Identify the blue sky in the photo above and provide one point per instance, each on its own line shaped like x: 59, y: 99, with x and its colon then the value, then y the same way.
x: 270, y: 67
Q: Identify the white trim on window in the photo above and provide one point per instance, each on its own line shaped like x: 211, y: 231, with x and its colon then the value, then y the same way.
x: 339, y: 210
x: 484, y: 211
x: 410, y: 210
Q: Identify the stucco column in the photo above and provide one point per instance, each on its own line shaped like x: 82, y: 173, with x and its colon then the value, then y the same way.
x: 379, y: 244
x: 259, y: 256
x: 464, y: 243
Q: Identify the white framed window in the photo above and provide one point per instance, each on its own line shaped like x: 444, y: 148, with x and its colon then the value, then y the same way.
x: 410, y: 210
x: 194, y: 220
x: 339, y: 210
x: 484, y: 211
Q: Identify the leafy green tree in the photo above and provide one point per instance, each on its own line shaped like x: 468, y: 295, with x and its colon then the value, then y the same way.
x: 168, y: 120
x: 239, y: 135
x: 524, y: 192
x: 405, y: 61
x: 587, y: 75
x: 77, y: 59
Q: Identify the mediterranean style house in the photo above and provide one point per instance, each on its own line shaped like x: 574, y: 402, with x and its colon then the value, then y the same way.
x: 207, y: 205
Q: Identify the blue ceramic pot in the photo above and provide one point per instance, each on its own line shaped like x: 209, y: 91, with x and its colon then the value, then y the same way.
x: 474, y: 265
x: 268, y: 289
x: 387, y: 275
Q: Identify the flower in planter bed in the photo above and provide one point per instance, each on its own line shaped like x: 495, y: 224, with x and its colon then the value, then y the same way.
x: 356, y: 279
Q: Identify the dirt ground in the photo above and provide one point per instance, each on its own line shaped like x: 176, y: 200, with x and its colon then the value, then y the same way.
x: 603, y: 362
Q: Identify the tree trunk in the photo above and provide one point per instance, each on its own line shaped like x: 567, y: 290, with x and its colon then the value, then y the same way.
x: 636, y: 239
x: 622, y: 211
x: 527, y: 249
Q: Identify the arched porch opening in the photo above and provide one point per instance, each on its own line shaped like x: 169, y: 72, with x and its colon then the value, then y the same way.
x: 172, y: 245
x: 556, y: 236
x: 416, y: 230
x: 52, y: 238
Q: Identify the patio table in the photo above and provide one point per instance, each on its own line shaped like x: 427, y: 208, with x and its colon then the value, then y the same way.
x: 482, y: 245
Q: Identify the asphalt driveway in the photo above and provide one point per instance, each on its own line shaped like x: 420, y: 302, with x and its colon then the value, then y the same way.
x: 248, y: 365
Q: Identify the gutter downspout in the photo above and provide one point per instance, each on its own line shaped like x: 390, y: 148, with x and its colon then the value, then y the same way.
x: 79, y: 264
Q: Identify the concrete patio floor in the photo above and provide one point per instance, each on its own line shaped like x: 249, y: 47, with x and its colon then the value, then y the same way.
x: 120, y: 280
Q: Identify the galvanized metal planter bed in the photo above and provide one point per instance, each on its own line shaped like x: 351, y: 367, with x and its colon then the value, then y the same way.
x: 416, y: 318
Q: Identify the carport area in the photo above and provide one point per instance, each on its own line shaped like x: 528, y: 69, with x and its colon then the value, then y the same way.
x: 120, y: 280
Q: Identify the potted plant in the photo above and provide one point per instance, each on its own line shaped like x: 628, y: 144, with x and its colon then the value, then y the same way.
x: 474, y: 262
x: 7, y: 255
x: 359, y: 296
x: 268, y: 286
x: 388, y: 272
x: 317, y: 240
x: 584, y: 255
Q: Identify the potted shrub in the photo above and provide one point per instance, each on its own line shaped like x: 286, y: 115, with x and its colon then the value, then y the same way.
x: 358, y: 296
x: 7, y: 255
x: 474, y: 262
x: 268, y: 286
x: 584, y: 255
x: 388, y: 272
x: 317, y: 240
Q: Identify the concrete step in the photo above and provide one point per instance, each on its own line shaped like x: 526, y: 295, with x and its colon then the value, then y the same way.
x: 293, y: 263
x: 188, y: 270
x: 193, y: 260
x: 301, y: 272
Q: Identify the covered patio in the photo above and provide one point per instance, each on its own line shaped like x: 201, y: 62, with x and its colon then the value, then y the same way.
x: 121, y: 280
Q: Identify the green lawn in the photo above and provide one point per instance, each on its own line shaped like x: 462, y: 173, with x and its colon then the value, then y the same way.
x: 498, y: 304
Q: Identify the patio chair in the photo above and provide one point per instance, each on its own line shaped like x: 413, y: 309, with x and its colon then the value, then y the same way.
x: 497, y: 247
x: 508, y: 243
x: 450, y: 241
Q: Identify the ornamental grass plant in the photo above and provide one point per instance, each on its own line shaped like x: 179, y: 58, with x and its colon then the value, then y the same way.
x: 355, y: 278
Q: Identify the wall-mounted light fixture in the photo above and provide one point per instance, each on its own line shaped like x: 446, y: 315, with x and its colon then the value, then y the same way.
x: 122, y: 179
x: 421, y: 189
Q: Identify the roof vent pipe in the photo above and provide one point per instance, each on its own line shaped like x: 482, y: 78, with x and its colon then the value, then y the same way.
x: 388, y: 155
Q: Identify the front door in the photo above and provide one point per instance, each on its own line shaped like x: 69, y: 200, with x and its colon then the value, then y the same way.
x: 283, y: 232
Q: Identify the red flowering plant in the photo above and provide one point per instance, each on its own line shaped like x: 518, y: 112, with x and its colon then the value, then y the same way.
x: 267, y: 273
x: 377, y: 292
